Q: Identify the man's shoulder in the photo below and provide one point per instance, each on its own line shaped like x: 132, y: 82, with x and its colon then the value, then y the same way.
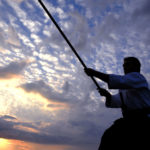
x: 135, y: 75
x: 137, y: 79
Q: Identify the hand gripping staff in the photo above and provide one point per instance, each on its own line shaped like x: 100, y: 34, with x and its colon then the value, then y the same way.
x: 64, y: 36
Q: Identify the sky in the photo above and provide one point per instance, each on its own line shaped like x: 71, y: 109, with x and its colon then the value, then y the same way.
x: 46, y: 99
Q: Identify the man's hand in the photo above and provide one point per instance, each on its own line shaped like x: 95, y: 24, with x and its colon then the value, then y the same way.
x: 104, y: 92
x: 89, y: 71
x: 103, y: 76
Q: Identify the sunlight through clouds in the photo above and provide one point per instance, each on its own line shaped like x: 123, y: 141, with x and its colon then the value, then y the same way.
x: 15, y: 144
x: 19, y: 98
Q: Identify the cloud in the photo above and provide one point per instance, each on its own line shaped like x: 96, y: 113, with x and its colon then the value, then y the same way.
x: 13, y: 37
x: 79, y: 33
x: 18, y: 1
x: 9, y: 129
x: 142, y: 10
x: 98, y: 8
x: 13, y: 69
x: 141, y: 18
x: 5, y: 117
x: 78, y: 123
x: 2, y: 42
x: 47, y: 91
x: 9, y: 38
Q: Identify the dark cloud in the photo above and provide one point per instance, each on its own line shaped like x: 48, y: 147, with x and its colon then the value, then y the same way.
x: 66, y: 96
x: 2, y: 40
x: 143, y: 10
x: 45, y: 90
x: 79, y: 31
x: 12, y: 69
x: 98, y: 7
x: 9, y: 130
x: 54, y: 106
x: 8, y: 117
x: 66, y: 87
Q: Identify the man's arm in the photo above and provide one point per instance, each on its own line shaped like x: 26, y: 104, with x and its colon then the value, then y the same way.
x: 105, y: 78
x: 100, y: 75
x: 133, y: 80
x: 112, y: 101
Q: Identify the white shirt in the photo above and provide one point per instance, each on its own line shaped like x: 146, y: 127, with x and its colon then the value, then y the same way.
x: 134, y: 88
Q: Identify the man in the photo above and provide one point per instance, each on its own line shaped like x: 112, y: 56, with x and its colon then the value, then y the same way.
x: 134, y: 100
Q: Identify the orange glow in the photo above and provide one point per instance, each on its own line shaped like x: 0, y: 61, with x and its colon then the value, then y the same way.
x: 9, y: 76
x: 10, y: 90
x: 7, y: 144
x: 48, y: 147
x: 27, y: 129
x: 3, y: 144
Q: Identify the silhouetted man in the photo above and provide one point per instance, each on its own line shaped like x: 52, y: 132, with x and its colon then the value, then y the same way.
x: 133, y: 130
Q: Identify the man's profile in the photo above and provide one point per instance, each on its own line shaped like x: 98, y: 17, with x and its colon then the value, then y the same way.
x: 134, y: 100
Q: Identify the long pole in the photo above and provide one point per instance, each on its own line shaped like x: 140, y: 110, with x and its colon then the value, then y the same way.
x: 64, y: 36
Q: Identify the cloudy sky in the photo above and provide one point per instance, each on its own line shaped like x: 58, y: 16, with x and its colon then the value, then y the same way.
x: 46, y: 100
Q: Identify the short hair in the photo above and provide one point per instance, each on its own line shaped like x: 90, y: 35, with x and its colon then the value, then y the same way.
x: 135, y: 61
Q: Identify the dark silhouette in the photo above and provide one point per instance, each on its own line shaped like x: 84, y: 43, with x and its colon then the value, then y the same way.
x: 132, y: 131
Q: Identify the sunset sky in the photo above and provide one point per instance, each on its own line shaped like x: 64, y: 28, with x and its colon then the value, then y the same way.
x: 46, y: 100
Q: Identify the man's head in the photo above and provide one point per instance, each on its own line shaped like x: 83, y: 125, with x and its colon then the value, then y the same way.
x: 131, y: 64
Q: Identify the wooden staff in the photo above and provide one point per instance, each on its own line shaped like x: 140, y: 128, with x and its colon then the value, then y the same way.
x: 66, y: 39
